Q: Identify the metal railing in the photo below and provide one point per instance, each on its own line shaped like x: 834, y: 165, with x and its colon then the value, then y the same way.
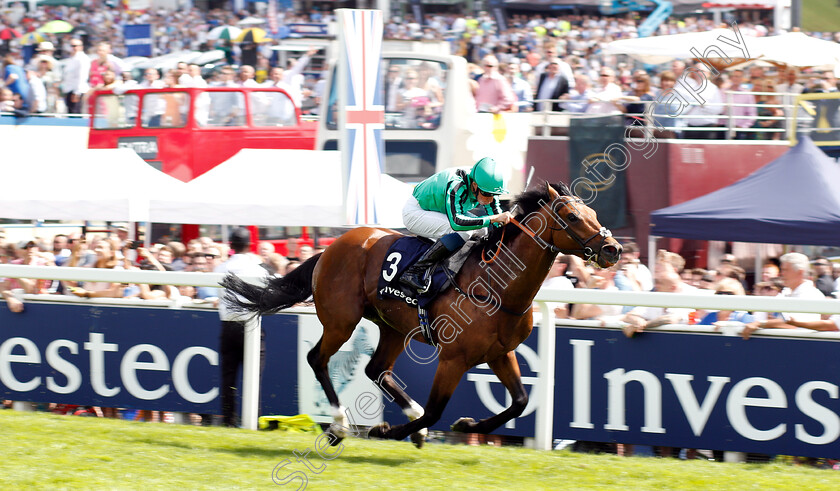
x: 547, y: 122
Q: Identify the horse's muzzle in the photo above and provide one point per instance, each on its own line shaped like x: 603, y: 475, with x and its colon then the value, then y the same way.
x: 610, y: 254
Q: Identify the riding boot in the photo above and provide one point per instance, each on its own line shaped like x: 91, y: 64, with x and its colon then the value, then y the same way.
x: 417, y: 276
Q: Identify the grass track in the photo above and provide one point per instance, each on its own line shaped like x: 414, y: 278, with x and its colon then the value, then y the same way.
x: 820, y: 15
x: 40, y: 450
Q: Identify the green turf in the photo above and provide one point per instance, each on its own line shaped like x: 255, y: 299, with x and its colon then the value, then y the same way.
x: 39, y: 450
x: 820, y: 15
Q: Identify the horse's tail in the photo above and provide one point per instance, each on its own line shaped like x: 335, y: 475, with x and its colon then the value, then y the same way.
x: 277, y: 295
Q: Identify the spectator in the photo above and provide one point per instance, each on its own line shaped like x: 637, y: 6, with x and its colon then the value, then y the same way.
x: 601, y: 279
x: 640, y: 94
x: 106, y: 257
x: 577, y: 99
x: 704, y: 104
x: 7, y: 101
x: 678, y: 69
x: 767, y: 103
x: 606, y: 95
x: 61, y: 249
x: 46, y: 52
x: 393, y: 87
x: 148, y: 262
x: 231, y: 340
x: 727, y: 286
x: 106, y: 107
x: 789, y: 87
x: 552, y: 85
x: 15, y: 79
x: 428, y: 79
x: 413, y: 101
x: 663, y: 112
x: 551, y: 56
x: 641, y: 318
x: 494, y: 93
x: 794, y: 272
x: 178, y: 253
x: 632, y: 274
x: 743, y: 109
x: 275, y: 264
x: 74, y: 83
x: 769, y: 271
x: 305, y: 252
x: 8, y: 253
x: 104, y: 62
x: 246, y: 76
x: 822, y: 272
x: 293, y: 74
x: 192, y: 77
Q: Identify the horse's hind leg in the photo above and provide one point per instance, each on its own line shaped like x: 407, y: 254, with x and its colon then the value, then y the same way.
x: 338, y: 327
x: 380, y: 370
x: 507, y: 369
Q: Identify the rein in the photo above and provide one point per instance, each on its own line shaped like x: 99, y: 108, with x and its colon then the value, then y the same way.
x: 483, y: 298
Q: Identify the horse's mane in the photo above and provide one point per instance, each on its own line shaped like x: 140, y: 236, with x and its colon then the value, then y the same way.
x: 525, y: 204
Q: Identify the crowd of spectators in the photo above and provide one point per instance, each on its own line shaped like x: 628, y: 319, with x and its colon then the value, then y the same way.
x: 791, y: 275
x: 115, y: 251
x: 536, y: 58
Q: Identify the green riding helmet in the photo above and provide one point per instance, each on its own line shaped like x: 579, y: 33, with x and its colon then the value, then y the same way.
x: 489, y: 176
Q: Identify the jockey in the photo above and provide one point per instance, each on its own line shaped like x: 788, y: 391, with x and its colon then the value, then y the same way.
x: 439, y: 209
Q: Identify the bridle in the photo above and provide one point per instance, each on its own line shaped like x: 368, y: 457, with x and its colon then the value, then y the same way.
x: 588, y: 252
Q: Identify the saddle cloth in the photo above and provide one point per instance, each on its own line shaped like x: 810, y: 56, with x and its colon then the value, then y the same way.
x: 401, y: 255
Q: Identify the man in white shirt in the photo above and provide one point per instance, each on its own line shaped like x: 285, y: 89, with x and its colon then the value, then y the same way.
x: 795, y: 268
x: 232, y: 338
x: 192, y: 77
x: 246, y: 76
x: 153, y: 105
x: 74, y: 81
x: 705, y: 103
x: 606, y: 96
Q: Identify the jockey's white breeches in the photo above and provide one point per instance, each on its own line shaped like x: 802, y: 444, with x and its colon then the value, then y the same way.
x: 430, y: 224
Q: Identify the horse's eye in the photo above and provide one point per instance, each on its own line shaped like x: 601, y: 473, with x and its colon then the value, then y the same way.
x: 572, y: 217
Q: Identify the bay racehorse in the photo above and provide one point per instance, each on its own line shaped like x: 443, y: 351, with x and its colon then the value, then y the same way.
x: 480, y: 320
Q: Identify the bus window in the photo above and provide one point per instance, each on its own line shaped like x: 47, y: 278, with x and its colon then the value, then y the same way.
x: 272, y: 109
x: 224, y: 108
x: 165, y: 110
x: 413, y: 94
x: 113, y: 111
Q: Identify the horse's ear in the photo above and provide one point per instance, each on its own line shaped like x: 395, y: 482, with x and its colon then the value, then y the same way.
x: 552, y: 193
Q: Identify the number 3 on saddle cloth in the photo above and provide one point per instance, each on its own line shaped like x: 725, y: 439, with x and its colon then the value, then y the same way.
x: 403, y: 253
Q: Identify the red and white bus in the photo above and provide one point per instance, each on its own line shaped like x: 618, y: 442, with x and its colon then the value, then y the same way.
x: 185, y: 132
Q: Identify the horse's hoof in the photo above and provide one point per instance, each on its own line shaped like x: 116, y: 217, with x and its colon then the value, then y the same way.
x: 418, y: 439
x: 463, y: 425
x: 379, y: 431
x: 334, y: 438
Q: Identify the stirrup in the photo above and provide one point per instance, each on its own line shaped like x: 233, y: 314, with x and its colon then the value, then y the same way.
x: 411, y: 279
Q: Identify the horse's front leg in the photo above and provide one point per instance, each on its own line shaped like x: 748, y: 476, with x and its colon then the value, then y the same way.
x: 507, y: 369
x: 447, y: 376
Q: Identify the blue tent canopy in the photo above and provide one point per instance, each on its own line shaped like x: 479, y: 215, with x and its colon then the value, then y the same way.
x: 793, y: 200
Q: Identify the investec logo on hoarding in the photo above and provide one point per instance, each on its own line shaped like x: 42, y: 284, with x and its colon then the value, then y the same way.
x: 696, y: 411
x: 21, y: 350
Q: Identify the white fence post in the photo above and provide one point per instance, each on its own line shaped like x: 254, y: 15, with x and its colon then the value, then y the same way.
x: 251, y: 374
x: 545, y: 389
